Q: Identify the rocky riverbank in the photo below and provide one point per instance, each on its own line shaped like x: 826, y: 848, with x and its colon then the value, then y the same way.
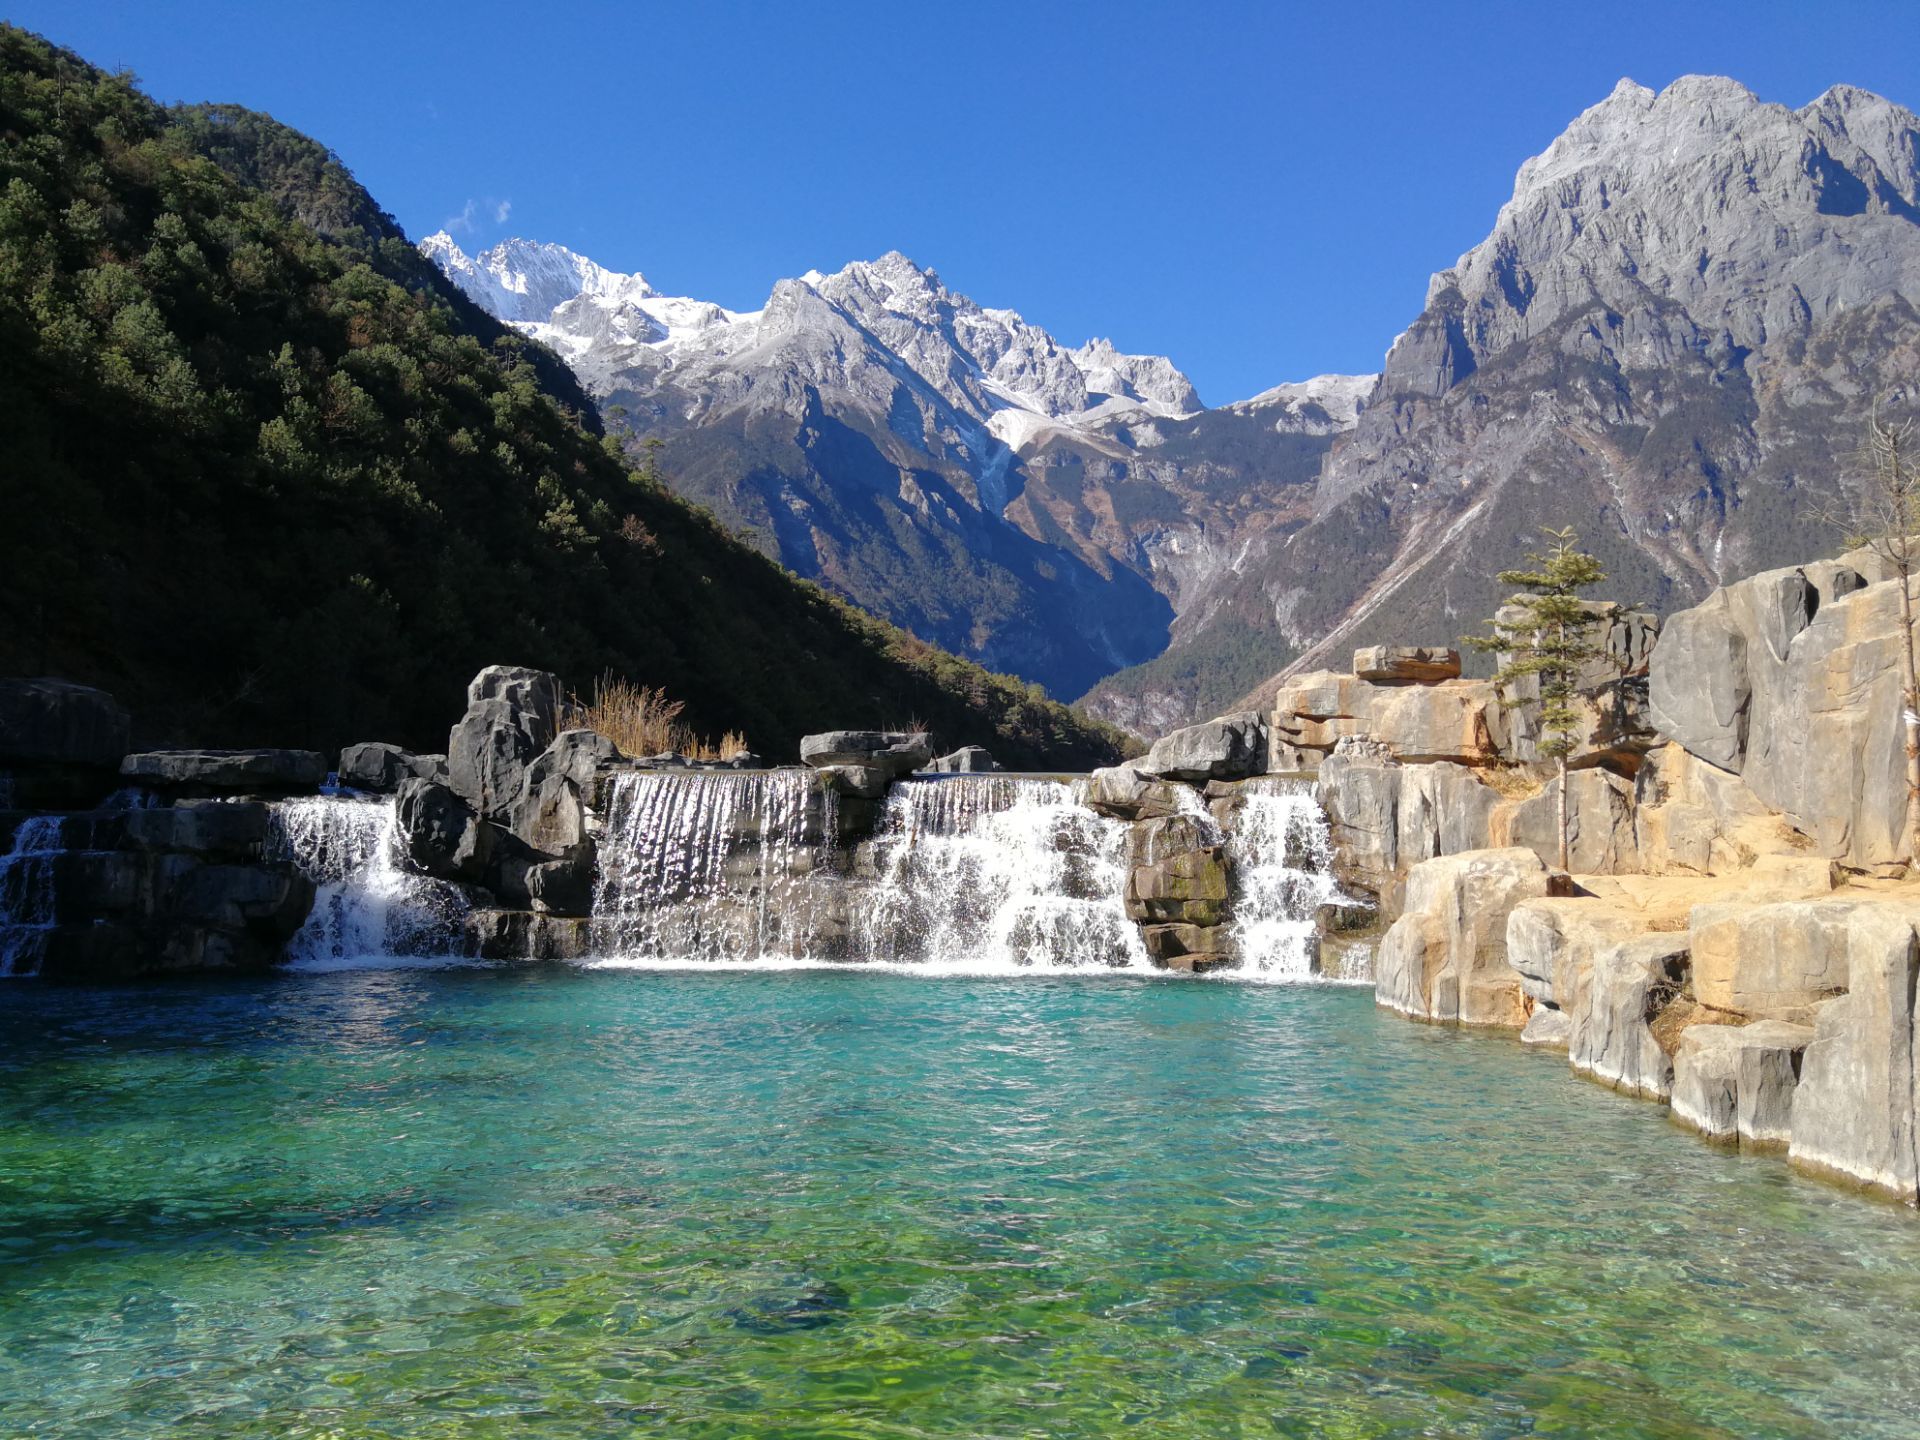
x: 1739, y: 938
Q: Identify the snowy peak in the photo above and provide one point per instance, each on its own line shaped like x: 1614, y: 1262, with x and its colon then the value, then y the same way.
x: 984, y: 363
x: 523, y: 281
x: 1324, y: 405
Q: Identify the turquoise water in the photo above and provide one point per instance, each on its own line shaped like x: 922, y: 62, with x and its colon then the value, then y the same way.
x: 566, y: 1203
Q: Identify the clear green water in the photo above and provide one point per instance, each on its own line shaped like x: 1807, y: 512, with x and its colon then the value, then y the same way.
x: 562, y: 1203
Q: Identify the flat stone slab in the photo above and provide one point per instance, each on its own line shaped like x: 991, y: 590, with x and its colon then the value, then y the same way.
x: 238, y: 770
x: 895, y: 751
x: 1415, y: 663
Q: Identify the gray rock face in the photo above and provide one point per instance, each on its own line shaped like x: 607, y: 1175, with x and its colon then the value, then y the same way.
x: 563, y: 780
x: 1599, y: 823
x: 967, y: 760
x: 1854, y: 1110
x: 893, y: 751
x: 234, y: 771
x: 441, y: 834
x: 1611, y: 1036
x: 1736, y: 1082
x: 510, y: 720
x: 213, y: 828
x: 1123, y: 792
x: 1229, y: 748
x: 1699, y: 690
x: 1386, y: 818
x: 1445, y: 958
x: 377, y: 766
x: 55, y: 722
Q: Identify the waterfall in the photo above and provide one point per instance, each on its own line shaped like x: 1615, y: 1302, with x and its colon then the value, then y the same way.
x: 983, y: 872
x: 703, y: 865
x: 26, y: 894
x: 365, y: 905
x: 996, y: 872
x: 1282, y: 863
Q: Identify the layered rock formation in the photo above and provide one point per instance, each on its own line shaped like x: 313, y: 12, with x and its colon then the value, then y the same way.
x: 1739, y: 938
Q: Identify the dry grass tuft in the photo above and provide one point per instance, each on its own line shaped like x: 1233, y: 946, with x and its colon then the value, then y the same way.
x: 645, y: 720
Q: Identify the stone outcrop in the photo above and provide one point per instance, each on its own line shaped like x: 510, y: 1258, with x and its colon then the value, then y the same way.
x: 1385, y: 664
x: 1609, y: 1030
x: 511, y: 717
x: 1854, y: 1109
x: 1790, y: 680
x: 118, y: 894
x: 967, y: 760
x: 1735, y: 1083
x: 1177, y: 873
x: 550, y: 813
x: 379, y: 767
x: 1126, y: 793
x: 1229, y: 748
x: 1445, y: 958
x: 55, y: 722
x: 863, y: 763
x: 214, y: 772
x: 441, y: 834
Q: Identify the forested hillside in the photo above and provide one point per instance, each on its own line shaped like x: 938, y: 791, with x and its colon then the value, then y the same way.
x: 269, y: 479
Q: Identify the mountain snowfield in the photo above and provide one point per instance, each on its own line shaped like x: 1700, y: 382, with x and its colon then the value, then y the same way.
x: 1013, y: 377
x: 1669, y: 339
x: 947, y: 465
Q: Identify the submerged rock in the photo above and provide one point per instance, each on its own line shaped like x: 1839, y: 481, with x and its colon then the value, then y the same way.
x: 813, y: 1308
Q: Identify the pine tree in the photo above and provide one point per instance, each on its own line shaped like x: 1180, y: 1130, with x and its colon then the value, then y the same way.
x: 1551, y: 637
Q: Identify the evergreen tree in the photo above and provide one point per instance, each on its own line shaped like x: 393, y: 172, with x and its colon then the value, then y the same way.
x: 1551, y: 638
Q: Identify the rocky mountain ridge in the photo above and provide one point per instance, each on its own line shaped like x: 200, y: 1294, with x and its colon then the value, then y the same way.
x: 1669, y: 339
x: 1052, y: 510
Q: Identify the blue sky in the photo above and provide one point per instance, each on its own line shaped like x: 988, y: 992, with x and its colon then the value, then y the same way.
x: 1258, y: 190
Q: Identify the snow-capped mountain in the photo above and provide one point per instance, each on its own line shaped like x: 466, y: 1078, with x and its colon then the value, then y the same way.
x: 946, y: 464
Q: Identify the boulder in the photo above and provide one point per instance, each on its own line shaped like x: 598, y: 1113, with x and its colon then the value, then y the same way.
x: 865, y: 782
x: 1229, y: 748
x: 967, y: 760
x: 1854, y: 1110
x: 1610, y: 1034
x: 1548, y: 1028
x: 535, y: 694
x: 1699, y: 690
x: 1773, y: 961
x: 1384, y: 817
x: 1407, y: 664
x: 375, y: 765
x: 563, y: 886
x: 1599, y: 823
x: 562, y: 781
x: 55, y: 722
x: 1167, y: 944
x: 1552, y: 944
x: 1445, y: 958
x: 1122, y: 792
x: 1463, y: 721
x: 1735, y: 1083
x: 1189, y: 887
x: 440, y: 833
x: 1151, y: 841
x: 892, y: 752
x: 263, y: 771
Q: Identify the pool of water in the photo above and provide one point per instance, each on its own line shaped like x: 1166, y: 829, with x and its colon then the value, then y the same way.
x: 567, y: 1203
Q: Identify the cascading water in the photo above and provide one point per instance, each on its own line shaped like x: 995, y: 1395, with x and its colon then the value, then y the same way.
x: 996, y: 872
x: 1281, y: 858
x: 365, y: 905
x: 702, y: 865
x: 26, y: 894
